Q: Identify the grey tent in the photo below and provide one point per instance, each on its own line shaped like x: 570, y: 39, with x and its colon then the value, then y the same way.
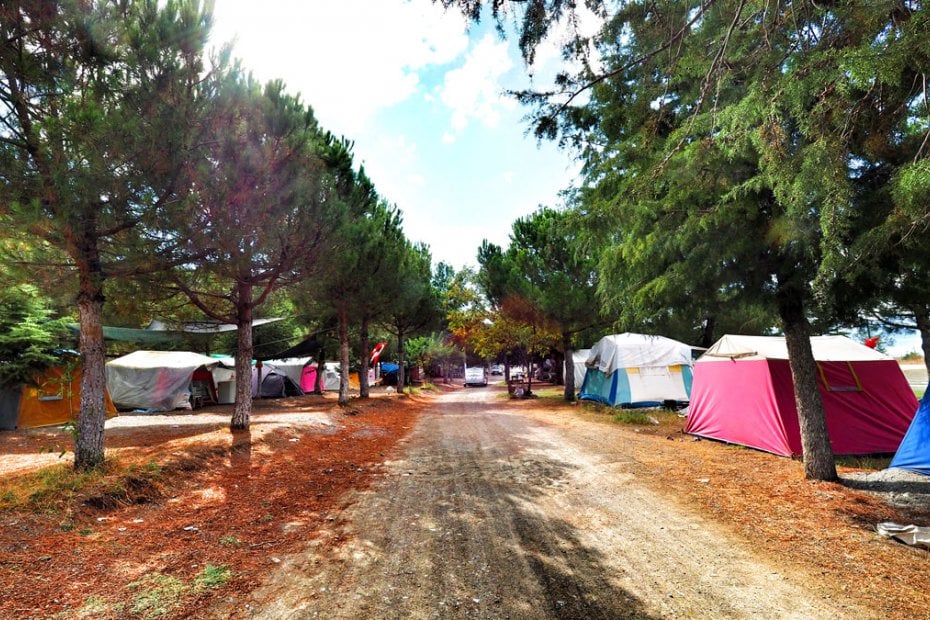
x: 275, y: 383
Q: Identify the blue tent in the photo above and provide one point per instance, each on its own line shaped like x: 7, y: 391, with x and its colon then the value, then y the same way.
x: 914, y: 451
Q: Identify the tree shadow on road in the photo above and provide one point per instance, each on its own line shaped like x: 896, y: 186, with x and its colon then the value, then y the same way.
x: 494, y: 495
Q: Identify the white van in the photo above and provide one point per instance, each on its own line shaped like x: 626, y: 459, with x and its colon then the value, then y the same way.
x: 476, y: 375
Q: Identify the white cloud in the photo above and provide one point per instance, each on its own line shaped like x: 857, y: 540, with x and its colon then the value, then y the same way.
x: 453, y: 243
x: 457, y: 183
x: 349, y: 58
x: 587, y: 24
x: 474, y: 91
x: 391, y: 162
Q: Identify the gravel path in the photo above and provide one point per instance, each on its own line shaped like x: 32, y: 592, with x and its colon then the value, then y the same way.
x: 494, y: 513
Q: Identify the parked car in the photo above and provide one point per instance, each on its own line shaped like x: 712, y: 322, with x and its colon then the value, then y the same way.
x: 476, y: 375
x: 497, y: 369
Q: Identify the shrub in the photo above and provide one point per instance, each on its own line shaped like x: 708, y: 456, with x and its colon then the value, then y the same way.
x: 212, y: 576
x: 632, y: 417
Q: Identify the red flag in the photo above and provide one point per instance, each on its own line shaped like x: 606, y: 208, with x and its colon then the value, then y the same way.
x: 376, y: 352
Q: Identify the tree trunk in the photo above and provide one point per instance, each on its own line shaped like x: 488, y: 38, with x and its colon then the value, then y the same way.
x: 569, y: 366
x: 923, y: 326
x: 529, y: 375
x: 88, y: 444
x: 320, y: 368
x: 707, y: 332
x: 506, y: 369
x: 243, y: 408
x: 343, y: 356
x: 363, y: 387
x: 401, y: 354
x: 815, y: 441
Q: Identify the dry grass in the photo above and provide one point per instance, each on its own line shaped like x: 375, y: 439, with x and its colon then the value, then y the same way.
x: 184, y: 515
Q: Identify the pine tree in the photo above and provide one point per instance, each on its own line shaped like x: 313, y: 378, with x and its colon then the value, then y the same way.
x: 257, y: 219
x: 97, y: 101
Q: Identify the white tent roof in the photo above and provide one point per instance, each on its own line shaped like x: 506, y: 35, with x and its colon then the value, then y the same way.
x: 637, y: 351
x: 293, y: 367
x: 826, y: 349
x: 164, y: 359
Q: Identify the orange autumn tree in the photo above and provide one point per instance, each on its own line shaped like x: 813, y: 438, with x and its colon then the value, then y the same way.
x: 518, y: 328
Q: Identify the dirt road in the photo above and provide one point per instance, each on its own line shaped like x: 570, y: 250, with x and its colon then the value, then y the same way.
x: 502, y: 512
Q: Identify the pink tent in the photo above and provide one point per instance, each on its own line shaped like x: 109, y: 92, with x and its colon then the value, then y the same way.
x: 743, y: 394
x: 308, y: 379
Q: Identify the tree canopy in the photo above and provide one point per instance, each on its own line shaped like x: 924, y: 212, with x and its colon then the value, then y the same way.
x: 734, y: 151
x: 97, y: 100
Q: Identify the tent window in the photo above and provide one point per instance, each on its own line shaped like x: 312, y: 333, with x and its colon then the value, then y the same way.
x: 51, y: 390
x: 839, y: 377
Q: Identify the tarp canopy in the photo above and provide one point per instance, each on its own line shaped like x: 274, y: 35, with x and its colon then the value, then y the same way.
x: 914, y: 451
x: 137, y: 336
x: 55, y: 398
x: 309, y: 346
x: 637, y: 370
x: 204, y: 327
x: 154, y: 380
x: 636, y: 351
x: 744, y: 394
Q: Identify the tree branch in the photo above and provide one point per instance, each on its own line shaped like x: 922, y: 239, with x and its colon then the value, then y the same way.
x: 606, y: 76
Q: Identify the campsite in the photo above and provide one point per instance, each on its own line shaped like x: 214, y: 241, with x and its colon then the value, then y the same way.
x: 283, y: 509
x: 464, y: 308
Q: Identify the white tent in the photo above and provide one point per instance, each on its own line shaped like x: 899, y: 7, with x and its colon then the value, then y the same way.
x: 637, y: 370
x: 277, y: 381
x: 331, y: 376
x: 154, y: 380
x: 577, y: 366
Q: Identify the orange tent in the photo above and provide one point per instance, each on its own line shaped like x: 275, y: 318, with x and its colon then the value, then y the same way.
x: 54, y: 399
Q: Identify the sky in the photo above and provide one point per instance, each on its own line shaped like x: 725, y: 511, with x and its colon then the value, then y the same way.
x: 422, y: 96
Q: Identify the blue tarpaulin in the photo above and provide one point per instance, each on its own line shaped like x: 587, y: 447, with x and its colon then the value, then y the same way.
x: 914, y: 451
x: 389, y: 373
